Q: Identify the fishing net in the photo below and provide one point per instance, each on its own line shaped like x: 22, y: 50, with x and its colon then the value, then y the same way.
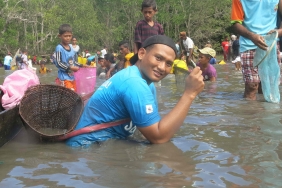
x: 268, y: 69
x: 180, y: 76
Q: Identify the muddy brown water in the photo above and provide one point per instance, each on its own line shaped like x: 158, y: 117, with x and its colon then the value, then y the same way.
x: 225, y: 141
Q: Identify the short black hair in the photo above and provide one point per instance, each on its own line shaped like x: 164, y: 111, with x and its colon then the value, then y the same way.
x: 110, y: 58
x: 125, y: 44
x: 65, y: 28
x: 149, y: 3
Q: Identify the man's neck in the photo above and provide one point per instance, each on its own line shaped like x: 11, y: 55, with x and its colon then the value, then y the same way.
x: 137, y: 64
x: 150, y: 22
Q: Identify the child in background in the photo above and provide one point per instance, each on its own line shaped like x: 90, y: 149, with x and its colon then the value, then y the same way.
x: 126, y: 54
x: 65, y: 58
x: 43, y: 69
x: 24, y: 64
x: 208, y: 71
x: 147, y: 27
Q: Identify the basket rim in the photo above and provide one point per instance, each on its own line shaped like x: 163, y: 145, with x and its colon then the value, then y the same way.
x: 53, y: 86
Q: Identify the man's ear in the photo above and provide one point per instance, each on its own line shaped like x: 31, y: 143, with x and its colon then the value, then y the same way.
x: 141, y: 53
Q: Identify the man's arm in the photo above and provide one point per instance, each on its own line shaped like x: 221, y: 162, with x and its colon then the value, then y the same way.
x: 255, y: 38
x: 163, y: 130
x: 108, y: 75
x: 280, y: 14
x: 190, y: 53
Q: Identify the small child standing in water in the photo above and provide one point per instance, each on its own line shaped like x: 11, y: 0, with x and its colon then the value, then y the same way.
x: 65, y: 58
x: 43, y: 69
x: 208, y: 71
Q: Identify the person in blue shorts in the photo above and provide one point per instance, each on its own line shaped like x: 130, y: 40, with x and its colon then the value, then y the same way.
x: 131, y: 93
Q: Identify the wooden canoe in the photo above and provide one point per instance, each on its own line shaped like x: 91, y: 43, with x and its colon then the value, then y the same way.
x: 10, y: 123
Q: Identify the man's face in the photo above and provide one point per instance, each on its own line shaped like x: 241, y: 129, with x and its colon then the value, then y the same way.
x: 123, y: 50
x: 101, y: 62
x: 156, y: 62
x: 107, y: 64
x: 74, y: 41
x: 98, y: 53
x: 66, y: 38
x: 183, y: 37
x: 148, y: 13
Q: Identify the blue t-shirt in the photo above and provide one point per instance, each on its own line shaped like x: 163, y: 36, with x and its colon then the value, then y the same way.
x: 259, y: 17
x: 63, y: 60
x: 125, y: 95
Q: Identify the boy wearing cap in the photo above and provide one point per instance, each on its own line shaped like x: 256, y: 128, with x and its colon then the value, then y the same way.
x: 147, y: 27
x: 208, y: 71
x: 131, y: 93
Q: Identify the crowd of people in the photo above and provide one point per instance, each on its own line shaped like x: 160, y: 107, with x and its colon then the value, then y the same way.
x: 23, y: 61
x: 131, y: 93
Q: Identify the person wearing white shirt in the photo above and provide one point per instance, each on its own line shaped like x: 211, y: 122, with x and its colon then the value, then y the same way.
x: 104, y: 51
x: 24, y: 64
x: 188, y: 47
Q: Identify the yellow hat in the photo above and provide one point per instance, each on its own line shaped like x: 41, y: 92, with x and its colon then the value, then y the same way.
x: 207, y: 51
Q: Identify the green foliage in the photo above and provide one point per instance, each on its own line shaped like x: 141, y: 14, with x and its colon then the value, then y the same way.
x: 33, y: 24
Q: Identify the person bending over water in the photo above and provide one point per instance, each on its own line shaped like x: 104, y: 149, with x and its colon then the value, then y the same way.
x: 131, y: 94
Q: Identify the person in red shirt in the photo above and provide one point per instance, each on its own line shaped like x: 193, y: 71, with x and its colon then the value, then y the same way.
x: 225, y: 48
x: 34, y: 60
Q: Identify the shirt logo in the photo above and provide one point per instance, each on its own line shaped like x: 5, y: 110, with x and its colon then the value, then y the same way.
x: 149, y: 109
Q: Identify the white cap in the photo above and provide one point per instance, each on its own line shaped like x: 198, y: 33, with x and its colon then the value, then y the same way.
x: 233, y: 37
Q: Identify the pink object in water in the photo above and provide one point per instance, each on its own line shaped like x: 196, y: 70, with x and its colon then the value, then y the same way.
x: 15, y: 85
x: 85, y: 79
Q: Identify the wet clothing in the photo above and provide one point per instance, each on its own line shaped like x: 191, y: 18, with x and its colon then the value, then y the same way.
x: 43, y: 70
x: 125, y: 95
x: 209, y: 72
x: 250, y: 73
x: 143, y: 30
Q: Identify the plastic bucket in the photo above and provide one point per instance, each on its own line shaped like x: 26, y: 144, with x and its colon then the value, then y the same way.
x: 85, y: 79
x: 84, y: 61
x: 79, y: 59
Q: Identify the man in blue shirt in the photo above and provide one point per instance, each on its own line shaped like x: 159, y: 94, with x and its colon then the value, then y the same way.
x: 131, y: 94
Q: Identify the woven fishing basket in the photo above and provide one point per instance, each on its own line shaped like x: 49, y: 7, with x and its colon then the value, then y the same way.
x: 50, y: 110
